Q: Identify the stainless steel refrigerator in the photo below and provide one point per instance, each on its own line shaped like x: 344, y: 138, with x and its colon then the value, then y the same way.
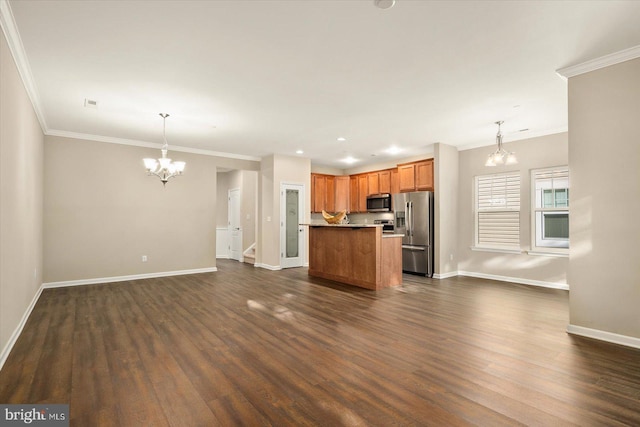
x: 414, y: 218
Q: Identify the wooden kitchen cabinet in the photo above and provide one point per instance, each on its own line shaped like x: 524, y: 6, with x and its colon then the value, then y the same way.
x: 342, y: 193
x: 373, y: 183
x: 338, y: 193
x: 363, y: 192
x: 323, y: 193
x: 424, y: 175
x: 318, y: 192
x: 407, y: 177
x: 395, y: 181
x: 353, y: 194
x: 330, y: 194
x: 384, y: 181
x: 416, y: 176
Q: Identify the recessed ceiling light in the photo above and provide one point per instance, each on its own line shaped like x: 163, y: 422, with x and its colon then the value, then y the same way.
x: 299, y: 152
x: 342, y: 139
x: 349, y: 160
x: 393, y: 150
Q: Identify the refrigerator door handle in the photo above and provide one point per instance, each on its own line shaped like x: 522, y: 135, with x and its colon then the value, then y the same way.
x: 414, y: 248
x: 408, y: 218
x: 411, y: 217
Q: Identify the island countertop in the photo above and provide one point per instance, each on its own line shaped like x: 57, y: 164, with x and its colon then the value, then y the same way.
x: 321, y: 224
x: 385, y: 235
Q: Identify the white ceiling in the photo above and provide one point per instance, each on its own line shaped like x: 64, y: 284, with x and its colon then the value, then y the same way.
x: 261, y: 77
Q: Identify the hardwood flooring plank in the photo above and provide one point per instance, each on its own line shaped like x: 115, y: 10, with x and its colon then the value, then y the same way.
x: 248, y: 346
x: 19, y: 369
x: 91, y: 369
x: 52, y: 375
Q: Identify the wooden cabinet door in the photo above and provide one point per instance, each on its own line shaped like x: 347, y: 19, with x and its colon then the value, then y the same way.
x: 424, y: 175
x: 330, y: 194
x: 395, y: 181
x: 353, y: 194
x: 342, y: 193
x: 373, y: 183
x: 363, y: 191
x: 384, y: 181
x: 318, y: 192
x: 407, y: 177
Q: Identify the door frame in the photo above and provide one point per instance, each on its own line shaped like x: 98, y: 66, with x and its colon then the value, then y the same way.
x: 239, y: 218
x: 298, y: 261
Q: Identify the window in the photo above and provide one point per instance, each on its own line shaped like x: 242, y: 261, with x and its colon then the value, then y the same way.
x: 498, y: 211
x: 550, y: 209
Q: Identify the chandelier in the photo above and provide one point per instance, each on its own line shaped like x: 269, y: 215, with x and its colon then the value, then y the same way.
x: 501, y: 156
x: 163, y: 167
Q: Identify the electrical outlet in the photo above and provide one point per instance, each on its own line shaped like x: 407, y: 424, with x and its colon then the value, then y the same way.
x: 451, y: 257
x: 144, y: 258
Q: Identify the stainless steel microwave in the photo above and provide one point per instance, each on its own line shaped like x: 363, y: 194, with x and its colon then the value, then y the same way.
x: 379, y: 203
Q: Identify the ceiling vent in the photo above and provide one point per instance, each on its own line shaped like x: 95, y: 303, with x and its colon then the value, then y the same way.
x: 90, y: 103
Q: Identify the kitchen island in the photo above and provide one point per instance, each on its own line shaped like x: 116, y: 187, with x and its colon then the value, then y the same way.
x: 356, y: 254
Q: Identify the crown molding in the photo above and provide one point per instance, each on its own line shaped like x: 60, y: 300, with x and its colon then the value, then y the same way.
x: 10, y: 30
x: 145, y: 144
x: 596, y: 64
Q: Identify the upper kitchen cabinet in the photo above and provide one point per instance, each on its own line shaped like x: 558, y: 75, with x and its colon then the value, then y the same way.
x: 424, y: 175
x: 363, y: 192
x: 395, y: 181
x: 323, y: 193
x: 373, y: 183
x: 379, y: 182
x: 416, y: 176
x: 342, y: 193
x: 384, y: 181
x: 354, y: 204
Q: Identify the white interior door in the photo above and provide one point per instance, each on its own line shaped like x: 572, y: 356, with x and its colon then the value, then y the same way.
x: 292, y: 242
x: 235, y: 225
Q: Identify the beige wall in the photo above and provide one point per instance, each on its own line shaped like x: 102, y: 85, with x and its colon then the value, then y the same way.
x: 21, y: 147
x: 534, y: 153
x: 277, y: 170
x: 102, y: 212
x: 446, y: 208
x: 248, y: 208
x: 604, y: 160
x: 222, y: 200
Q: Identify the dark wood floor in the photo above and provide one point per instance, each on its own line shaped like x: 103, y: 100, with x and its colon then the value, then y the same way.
x: 248, y: 346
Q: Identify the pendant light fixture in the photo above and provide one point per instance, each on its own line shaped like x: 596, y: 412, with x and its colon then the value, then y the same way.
x: 501, y: 156
x: 163, y: 167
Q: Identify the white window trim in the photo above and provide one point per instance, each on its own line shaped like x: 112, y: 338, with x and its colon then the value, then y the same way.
x: 497, y: 250
x: 551, y: 252
x: 543, y: 250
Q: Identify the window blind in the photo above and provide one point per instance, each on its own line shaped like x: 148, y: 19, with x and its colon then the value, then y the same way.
x: 498, y: 210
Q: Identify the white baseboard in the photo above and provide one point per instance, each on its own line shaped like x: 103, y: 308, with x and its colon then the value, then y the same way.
x: 125, y: 278
x: 16, y: 333
x: 604, y: 336
x: 222, y: 256
x: 522, y: 281
x: 445, y: 275
x: 268, y: 267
